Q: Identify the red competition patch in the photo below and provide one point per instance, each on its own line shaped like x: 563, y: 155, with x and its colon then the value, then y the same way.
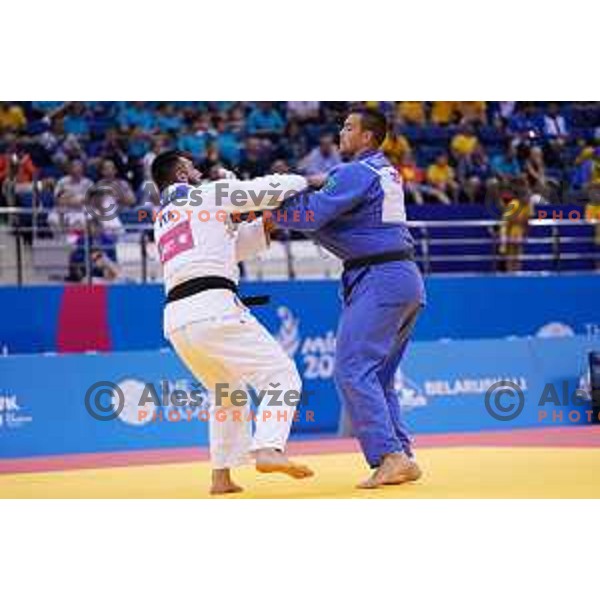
x: 175, y: 241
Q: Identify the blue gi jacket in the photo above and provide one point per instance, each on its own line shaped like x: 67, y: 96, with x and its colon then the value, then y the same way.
x: 359, y: 212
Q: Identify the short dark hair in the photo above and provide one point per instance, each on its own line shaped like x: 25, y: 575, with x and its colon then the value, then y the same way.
x: 163, y: 168
x: 374, y: 121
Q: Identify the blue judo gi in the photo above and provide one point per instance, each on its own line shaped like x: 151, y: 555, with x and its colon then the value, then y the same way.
x: 360, y: 213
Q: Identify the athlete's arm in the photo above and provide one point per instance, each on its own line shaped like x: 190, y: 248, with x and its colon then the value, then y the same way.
x: 262, y: 193
x: 342, y: 191
x: 252, y: 239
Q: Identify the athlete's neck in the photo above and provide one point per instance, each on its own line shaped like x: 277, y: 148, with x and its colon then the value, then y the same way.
x: 364, y: 153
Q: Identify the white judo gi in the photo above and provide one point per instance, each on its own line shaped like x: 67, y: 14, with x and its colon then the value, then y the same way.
x: 215, y: 335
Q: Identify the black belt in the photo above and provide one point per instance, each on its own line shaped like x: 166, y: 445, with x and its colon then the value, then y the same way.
x: 377, y: 259
x: 202, y: 284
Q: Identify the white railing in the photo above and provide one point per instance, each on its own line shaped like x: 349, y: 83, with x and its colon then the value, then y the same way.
x: 33, y: 252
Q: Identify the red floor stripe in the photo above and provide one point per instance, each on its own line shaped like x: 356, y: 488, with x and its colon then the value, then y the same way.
x: 562, y: 437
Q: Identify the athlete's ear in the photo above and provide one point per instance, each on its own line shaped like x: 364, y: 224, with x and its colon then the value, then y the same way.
x: 180, y: 174
x: 368, y: 138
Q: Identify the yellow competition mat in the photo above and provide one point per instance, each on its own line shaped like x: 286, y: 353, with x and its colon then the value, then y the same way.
x: 457, y: 472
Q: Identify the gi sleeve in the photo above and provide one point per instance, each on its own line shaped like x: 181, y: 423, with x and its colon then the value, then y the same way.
x: 344, y: 189
x: 262, y: 193
x: 251, y: 240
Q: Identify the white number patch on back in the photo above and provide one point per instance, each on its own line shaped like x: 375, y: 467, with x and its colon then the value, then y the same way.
x: 393, y: 210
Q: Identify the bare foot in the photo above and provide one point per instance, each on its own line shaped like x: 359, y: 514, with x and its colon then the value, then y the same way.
x: 395, y: 469
x: 223, y: 484
x: 269, y: 460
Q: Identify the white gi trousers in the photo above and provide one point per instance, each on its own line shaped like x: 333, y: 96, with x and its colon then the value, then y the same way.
x: 227, y: 345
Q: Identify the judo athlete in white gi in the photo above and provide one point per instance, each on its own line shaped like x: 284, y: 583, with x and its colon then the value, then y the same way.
x: 214, y: 334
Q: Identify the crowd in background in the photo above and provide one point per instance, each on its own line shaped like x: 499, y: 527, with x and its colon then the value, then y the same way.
x: 447, y: 151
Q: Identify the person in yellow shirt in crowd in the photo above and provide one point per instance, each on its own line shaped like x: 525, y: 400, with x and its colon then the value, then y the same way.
x: 473, y: 111
x: 12, y: 117
x: 443, y: 112
x: 395, y: 146
x: 464, y: 143
x: 440, y: 176
x: 592, y: 213
x: 515, y: 225
x: 412, y: 113
x: 596, y: 168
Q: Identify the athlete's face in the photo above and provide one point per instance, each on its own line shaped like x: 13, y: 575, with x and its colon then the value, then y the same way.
x: 186, y: 172
x: 353, y: 138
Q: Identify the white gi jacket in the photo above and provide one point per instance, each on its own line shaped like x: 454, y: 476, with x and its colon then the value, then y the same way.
x: 197, y: 235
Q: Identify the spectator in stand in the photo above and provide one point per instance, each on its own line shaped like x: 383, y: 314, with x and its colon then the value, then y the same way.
x: 121, y: 191
x: 59, y: 147
x: 167, y: 119
x: 506, y: 167
x: 305, y: 111
x: 228, y: 141
x: 16, y: 163
x: 412, y: 177
x: 506, y: 109
x: 253, y: 162
x: 294, y: 144
x: 596, y: 167
x: 583, y: 169
x: 472, y: 112
x: 76, y: 121
x: 193, y: 140
x: 115, y: 149
x: 395, y: 146
x: 17, y: 172
x: 138, y: 143
x: 412, y: 113
x: 535, y: 171
x: 555, y: 125
x: 75, y: 184
x: 592, y: 213
x: 12, y: 117
x: 68, y: 217
x: 280, y: 167
x: 265, y: 122
x: 474, y: 176
x: 524, y: 123
x: 156, y: 147
x: 464, y: 143
x: 212, y: 164
x: 136, y: 114
x: 321, y: 159
x: 237, y: 120
x: 515, y: 224
x: 102, y: 259
x: 443, y: 112
x: 148, y: 192
x: 440, y: 176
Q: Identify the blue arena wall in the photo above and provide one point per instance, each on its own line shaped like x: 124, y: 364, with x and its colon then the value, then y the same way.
x: 45, y: 406
x: 532, y: 330
x: 41, y: 318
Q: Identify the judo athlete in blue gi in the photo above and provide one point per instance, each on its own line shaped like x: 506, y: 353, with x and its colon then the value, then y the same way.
x: 359, y: 216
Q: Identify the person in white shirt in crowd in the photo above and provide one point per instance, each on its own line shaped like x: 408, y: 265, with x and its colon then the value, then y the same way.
x: 303, y: 110
x: 321, y: 159
x: 76, y: 184
x: 68, y: 217
x: 225, y: 347
x: 555, y: 125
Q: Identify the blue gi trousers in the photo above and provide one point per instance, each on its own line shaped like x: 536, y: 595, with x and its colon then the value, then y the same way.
x: 380, y: 307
